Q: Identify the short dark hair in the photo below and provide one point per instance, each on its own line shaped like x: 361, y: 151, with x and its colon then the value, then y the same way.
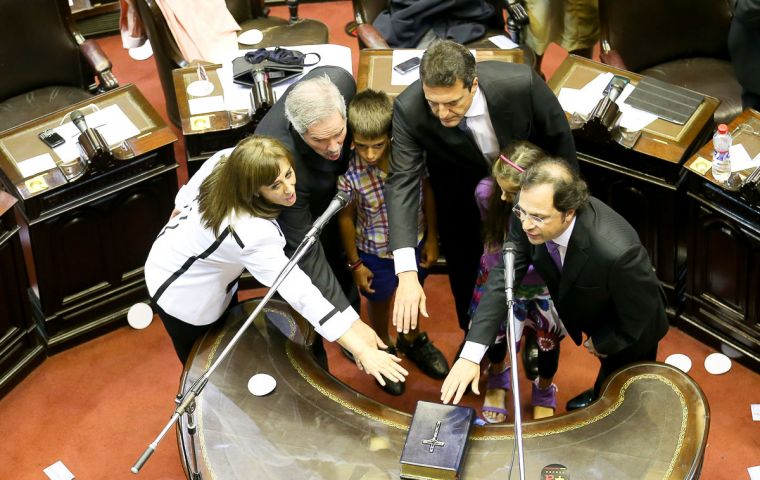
x: 570, y: 190
x: 445, y: 62
x: 370, y: 113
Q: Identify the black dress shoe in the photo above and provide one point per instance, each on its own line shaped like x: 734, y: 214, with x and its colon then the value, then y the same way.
x: 422, y: 352
x: 530, y: 355
x: 581, y: 401
x: 391, y: 387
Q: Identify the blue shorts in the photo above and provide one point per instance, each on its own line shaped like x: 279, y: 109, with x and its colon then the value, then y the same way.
x: 385, y: 280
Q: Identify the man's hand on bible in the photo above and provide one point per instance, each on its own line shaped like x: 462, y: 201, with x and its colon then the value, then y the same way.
x: 409, y: 302
x: 464, y: 373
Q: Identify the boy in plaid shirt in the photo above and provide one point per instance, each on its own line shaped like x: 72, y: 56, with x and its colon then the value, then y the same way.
x: 364, y: 230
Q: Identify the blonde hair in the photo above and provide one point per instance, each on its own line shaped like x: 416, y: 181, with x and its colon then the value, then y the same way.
x: 370, y: 113
x: 509, y: 166
x: 234, y: 184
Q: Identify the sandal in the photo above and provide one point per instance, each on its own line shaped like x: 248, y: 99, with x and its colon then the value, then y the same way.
x: 501, y: 381
x: 544, y: 400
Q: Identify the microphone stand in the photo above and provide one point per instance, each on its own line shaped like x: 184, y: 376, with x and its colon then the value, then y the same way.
x: 186, y: 402
x: 509, y: 274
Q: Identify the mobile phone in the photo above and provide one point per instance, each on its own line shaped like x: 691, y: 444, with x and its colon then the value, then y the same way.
x: 407, y: 65
x: 51, y: 138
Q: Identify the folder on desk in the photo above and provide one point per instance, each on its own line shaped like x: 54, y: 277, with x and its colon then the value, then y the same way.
x: 669, y: 102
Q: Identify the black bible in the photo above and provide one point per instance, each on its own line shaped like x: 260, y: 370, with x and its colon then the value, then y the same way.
x: 436, y: 442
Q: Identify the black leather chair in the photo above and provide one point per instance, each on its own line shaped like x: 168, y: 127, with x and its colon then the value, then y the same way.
x: 683, y: 42
x: 366, y: 11
x: 46, y: 63
x: 250, y: 14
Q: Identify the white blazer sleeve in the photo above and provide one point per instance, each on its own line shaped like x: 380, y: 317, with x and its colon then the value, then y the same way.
x: 264, y: 257
x: 190, y: 190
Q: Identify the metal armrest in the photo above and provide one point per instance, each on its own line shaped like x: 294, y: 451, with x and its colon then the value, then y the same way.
x: 369, y: 35
x: 100, y: 64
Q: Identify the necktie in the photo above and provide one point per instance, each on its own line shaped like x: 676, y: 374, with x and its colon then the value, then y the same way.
x: 554, y: 253
x: 466, y: 129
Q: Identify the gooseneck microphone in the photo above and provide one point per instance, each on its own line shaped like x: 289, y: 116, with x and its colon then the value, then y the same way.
x: 509, y: 265
x: 78, y: 118
x: 339, y: 201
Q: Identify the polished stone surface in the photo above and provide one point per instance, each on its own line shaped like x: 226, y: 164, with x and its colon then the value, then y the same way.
x: 650, y: 422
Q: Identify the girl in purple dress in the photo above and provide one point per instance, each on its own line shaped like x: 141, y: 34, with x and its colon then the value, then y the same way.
x: 533, y: 305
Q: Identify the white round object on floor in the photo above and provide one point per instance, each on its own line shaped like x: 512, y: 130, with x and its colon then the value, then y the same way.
x: 200, y: 88
x: 680, y: 361
x: 139, y: 315
x: 250, y: 37
x: 717, y: 363
x: 261, y: 384
x: 143, y: 52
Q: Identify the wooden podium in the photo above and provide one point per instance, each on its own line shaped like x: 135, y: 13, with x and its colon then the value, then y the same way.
x: 85, y: 240
x: 723, y: 291
x: 646, y: 183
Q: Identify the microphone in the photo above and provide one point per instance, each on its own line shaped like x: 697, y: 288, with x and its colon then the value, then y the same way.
x: 78, y: 118
x: 339, y: 201
x: 509, y: 265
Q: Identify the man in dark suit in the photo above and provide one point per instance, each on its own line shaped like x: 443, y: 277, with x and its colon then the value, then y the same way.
x: 597, y: 271
x: 455, y: 120
x: 310, y: 120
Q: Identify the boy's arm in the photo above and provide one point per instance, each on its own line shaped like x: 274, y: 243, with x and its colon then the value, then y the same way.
x: 430, y: 250
x: 362, y: 275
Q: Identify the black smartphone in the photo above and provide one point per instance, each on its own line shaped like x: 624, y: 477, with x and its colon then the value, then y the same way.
x: 51, y: 138
x: 407, y: 65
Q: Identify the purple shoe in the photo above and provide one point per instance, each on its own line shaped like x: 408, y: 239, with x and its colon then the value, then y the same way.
x: 499, y: 380
x: 544, y: 398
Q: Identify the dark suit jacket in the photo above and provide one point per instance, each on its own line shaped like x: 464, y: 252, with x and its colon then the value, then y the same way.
x: 521, y: 107
x: 316, y: 179
x: 607, y: 289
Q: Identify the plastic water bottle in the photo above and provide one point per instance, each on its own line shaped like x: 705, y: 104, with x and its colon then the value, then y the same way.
x: 721, y: 163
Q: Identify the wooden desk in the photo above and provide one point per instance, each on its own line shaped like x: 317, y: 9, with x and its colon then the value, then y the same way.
x: 85, y: 241
x: 644, y: 184
x: 375, y: 67
x: 207, y: 133
x: 723, y: 291
x: 651, y: 421
x: 20, y: 345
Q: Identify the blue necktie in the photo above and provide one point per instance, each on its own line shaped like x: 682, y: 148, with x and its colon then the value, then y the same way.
x: 554, y: 253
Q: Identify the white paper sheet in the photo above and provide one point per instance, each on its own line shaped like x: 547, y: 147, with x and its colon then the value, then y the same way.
x: 36, y: 165
x: 754, y: 473
x: 503, y: 42
x: 755, y: 408
x: 740, y: 159
x: 202, y: 105
x: 58, y: 471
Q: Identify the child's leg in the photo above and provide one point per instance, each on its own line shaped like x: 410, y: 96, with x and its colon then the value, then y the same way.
x: 494, y: 404
x: 378, y: 311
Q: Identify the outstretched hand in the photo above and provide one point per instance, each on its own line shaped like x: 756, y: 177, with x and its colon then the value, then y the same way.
x: 464, y: 373
x: 409, y: 302
x: 368, y: 351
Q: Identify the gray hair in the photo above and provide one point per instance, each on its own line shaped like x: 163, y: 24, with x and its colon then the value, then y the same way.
x: 313, y: 100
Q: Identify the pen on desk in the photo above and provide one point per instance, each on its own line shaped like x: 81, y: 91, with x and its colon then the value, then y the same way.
x: 202, y: 73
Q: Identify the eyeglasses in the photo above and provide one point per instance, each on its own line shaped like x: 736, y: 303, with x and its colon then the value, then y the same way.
x: 534, y: 219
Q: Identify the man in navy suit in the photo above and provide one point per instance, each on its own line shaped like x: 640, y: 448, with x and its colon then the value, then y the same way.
x: 597, y: 271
